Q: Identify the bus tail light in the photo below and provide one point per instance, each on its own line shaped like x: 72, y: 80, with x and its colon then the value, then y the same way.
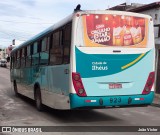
x: 78, y: 85
x: 149, y: 83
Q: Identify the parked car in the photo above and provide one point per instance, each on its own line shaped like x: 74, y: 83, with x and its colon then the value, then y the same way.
x: 3, y: 63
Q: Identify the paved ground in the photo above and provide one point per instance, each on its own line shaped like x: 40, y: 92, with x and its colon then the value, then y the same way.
x: 20, y: 111
x: 156, y: 100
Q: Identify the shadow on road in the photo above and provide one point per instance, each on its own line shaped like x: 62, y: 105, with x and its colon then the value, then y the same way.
x: 68, y: 116
x: 80, y: 115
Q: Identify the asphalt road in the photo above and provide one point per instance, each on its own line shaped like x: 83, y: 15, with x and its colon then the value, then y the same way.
x: 21, y: 111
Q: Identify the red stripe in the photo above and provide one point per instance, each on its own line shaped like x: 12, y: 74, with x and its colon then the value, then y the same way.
x: 87, y: 101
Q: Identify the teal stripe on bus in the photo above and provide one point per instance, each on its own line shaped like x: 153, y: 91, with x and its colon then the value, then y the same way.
x: 111, y: 63
x: 77, y: 102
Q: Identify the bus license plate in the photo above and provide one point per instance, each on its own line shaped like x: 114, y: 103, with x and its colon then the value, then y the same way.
x: 115, y: 86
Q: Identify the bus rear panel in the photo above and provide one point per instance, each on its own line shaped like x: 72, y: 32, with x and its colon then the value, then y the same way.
x: 113, y: 60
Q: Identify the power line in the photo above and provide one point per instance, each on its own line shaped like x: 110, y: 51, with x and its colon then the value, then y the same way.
x: 23, y: 22
x: 13, y: 34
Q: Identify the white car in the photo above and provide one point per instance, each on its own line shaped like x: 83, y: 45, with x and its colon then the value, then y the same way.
x: 3, y: 63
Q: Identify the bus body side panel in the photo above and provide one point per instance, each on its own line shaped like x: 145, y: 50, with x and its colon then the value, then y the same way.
x: 17, y: 77
x: 57, y: 95
x: 53, y: 82
x: 28, y: 81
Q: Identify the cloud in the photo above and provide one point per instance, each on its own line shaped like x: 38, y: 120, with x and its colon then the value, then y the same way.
x: 16, y: 7
x: 10, y: 10
x: 12, y: 34
x: 28, y: 2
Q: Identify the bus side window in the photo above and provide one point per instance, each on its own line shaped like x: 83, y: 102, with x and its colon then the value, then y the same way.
x: 12, y: 62
x: 67, y: 44
x: 23, y: 58
x: 35, y: 56
x: 19, y: 58
x: 16, y: 62
x: 56, y: 52
x: 28, y: 58
x: 44, y: 54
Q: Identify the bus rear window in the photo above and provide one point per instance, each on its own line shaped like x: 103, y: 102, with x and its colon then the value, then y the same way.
x: 114, y: 30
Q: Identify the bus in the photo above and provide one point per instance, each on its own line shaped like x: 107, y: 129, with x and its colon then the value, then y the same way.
x: 90, y: 59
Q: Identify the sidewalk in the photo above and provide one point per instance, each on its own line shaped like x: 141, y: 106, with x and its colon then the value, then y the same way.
x: 156, y: 101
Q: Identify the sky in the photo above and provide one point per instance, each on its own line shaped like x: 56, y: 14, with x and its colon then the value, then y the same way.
x: 22, y: 19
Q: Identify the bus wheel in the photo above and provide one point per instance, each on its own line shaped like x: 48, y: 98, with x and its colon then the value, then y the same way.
x: 15, y: 88
x: 38, y: 99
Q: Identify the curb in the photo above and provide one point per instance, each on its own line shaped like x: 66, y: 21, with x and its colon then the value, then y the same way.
x: 155, y: 105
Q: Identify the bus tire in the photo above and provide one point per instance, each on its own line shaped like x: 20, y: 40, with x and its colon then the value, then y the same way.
x: 38, y: 99
x: 15, y: 88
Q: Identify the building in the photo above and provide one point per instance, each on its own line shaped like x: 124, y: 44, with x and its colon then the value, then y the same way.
x: 8, y: 50
x: 11, y: 47
x: 126, y: 6
x: 2, y: 54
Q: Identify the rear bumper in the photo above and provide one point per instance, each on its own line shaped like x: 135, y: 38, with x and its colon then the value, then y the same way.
x: 110, y: 101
